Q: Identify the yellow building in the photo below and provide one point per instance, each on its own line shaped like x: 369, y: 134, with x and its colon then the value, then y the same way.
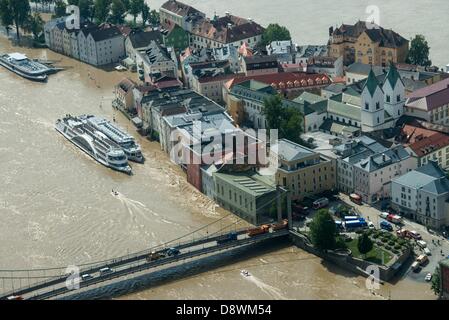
x: 301, y: 170
x: 375, y: 46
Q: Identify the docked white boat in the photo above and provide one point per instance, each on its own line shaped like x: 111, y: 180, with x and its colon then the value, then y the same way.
x: 118, y: 135
x: 24, y: 67
x: 93, y: 142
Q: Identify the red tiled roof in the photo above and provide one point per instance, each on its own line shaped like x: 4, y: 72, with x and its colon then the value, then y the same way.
x: 286, y: 80
x: 430, y: 144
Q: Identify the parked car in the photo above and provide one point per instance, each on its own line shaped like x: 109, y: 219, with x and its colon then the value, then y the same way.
x: 422, y: 259
x: 427, y: 251
x: 384, y: 215
x: 320, y: 203
x: 371, y: 225
x: 422, y: 244
x: 357, y: 199
x: 394, y: 218
x: 415, y: 266
x: 428, y: 277
x: 386, y: 226
x: 414, y: 235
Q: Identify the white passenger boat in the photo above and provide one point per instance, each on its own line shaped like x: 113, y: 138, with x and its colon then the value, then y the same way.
x: 93, y: 142
x: 24, y: 67
x: 118, y: 135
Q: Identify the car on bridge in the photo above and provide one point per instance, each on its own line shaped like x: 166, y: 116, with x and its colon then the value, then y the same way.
x: 105, y: 270
x: 86, y: 277
x: 172, y: 252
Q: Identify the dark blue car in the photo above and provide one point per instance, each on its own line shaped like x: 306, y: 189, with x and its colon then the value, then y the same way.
x: 386, y: 226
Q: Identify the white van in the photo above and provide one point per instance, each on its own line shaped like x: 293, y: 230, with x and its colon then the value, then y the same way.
x: 105, y: 270
x: 384, y: 215
x: 422, y: 244
x: 427, y: 251
x: 415, y: 266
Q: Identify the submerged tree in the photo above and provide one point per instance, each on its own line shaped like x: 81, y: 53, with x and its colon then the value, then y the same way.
x: 34, y: 25
x: 20, y: 10
x: 6, y: 15
x: 118, y: 12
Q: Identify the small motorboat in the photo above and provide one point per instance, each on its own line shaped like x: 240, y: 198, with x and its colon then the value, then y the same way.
x: 114, y: 192
x: 245, y: 273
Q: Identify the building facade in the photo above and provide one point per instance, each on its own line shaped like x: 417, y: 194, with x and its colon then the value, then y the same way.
x: 302, y: 171
x: 423, y: 195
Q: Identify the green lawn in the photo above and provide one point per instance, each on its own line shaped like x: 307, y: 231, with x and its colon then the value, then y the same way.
x: 375, y: 255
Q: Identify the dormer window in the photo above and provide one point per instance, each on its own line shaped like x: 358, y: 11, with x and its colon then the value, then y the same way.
x: 388, y: 98
x: 366, y: 106
x: 398, y: 98
x: 377, y: 105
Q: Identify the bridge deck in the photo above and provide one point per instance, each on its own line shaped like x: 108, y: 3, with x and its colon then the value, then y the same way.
x: 136, y: 263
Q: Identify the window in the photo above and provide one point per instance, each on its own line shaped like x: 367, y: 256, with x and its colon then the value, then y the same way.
x: 377, y: 105
x: 367, y: 106
x: 398, y: 98
x: 388, y: 98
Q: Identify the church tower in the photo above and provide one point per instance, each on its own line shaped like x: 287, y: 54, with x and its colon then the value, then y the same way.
x: 372, y: 107
x: 394, y: 92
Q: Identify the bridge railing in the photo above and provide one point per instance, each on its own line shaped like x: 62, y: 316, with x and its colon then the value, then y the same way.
x: 58, y: 278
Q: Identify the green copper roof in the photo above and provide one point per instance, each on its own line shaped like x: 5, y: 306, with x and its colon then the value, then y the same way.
x: 393, y: 75
x: 371, y: 83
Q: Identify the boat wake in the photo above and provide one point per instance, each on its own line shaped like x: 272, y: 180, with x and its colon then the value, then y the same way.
x: 136, y: 207
x: 266, y: 288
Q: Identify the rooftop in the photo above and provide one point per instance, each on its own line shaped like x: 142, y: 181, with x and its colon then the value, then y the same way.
x: 290, y: 151
x: 248, y: 182
x: 227, y: 29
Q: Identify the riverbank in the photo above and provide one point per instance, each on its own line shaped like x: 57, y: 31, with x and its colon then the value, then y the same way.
x: 57, y: 210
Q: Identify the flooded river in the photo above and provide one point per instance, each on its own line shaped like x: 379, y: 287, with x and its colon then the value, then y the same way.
x: 57, y: 209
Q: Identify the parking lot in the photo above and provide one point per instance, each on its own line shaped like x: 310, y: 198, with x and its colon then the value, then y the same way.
x: 438, y: 246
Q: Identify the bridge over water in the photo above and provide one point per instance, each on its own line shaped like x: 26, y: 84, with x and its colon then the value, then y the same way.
x: 46, y: 283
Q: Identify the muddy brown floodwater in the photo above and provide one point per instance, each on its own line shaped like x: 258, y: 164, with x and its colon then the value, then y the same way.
x: 56, y: 206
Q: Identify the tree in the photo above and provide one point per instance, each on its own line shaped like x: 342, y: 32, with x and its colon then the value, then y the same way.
x: 6, y: 15
x: 275, y: 32
x: 323, y: 230
x: 34, y: 25
x: 364, y: 244
x: 102, y: 9
x: 118, y: 12
x: 291, y: 128
x: 20, y: 9
x: 154, y: 18
x: 145, y: 14
x: 287, y: 120
x: 135, y: 7
x: 435, y: 285
x: 86, y: 8
x: 73, y: 2
x: 419, y: 51
x: 273, y: 112
x: 60, y: 8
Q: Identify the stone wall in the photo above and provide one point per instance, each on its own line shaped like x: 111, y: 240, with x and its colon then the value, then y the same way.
x: 346, y: 261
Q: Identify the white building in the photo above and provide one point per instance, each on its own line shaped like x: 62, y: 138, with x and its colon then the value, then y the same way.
x: 423, y: 195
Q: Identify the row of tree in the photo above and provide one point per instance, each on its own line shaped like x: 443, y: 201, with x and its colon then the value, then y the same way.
x: 113, y: 11
x: 18, y: 13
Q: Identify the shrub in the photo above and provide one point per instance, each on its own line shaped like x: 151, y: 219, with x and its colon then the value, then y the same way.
x: 387, y: 247
x: 391, y: 243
